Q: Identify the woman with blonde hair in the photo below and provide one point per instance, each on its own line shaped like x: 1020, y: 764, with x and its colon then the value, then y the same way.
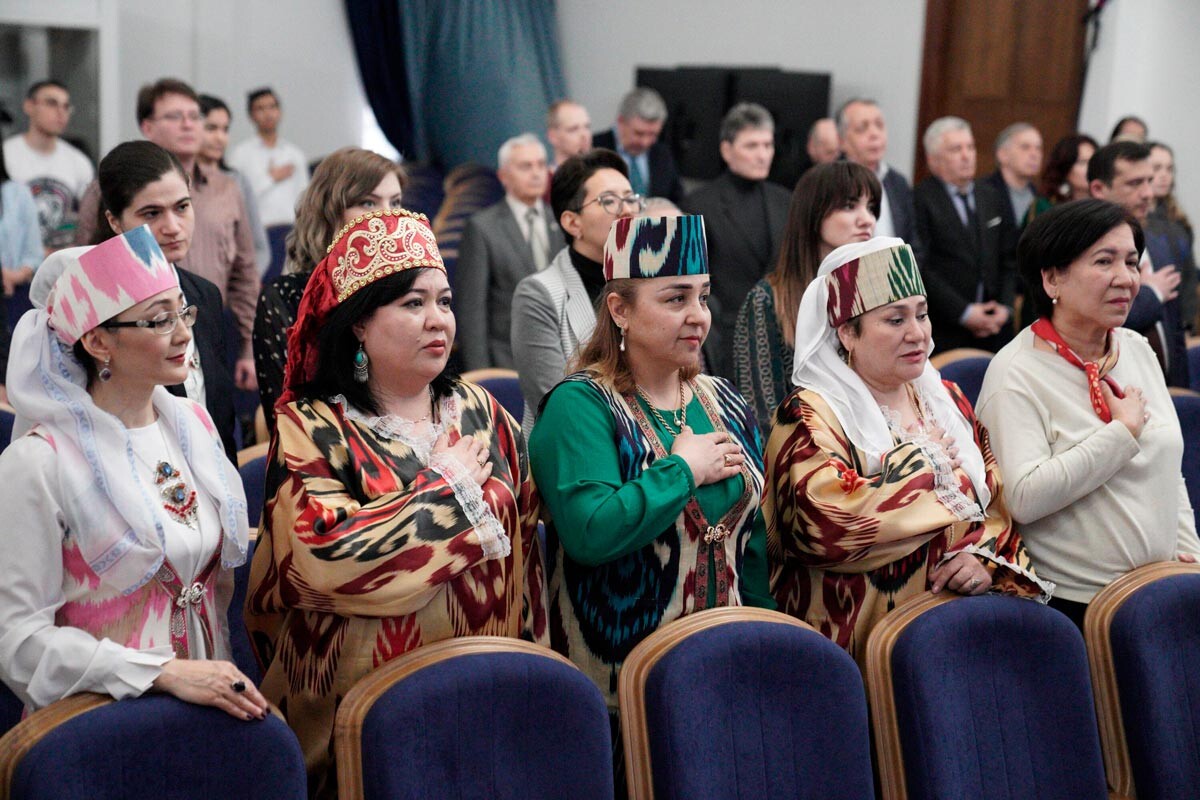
x: 348, y: 183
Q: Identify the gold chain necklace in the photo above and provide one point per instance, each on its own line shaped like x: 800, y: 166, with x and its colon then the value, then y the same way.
x: 679, y: 417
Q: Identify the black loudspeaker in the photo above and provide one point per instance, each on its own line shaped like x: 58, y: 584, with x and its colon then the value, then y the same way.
x: 697, y: 98
x: 796, y: 100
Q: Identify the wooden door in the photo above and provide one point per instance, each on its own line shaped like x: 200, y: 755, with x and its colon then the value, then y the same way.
x: 995, y: 62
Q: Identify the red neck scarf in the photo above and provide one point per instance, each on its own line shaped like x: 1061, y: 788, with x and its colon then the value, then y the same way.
x: 1096, y: 370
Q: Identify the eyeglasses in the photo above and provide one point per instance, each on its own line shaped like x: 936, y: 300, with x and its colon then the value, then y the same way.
x: 612, y: 202
x: 164, y: 324
x: 179, y: 116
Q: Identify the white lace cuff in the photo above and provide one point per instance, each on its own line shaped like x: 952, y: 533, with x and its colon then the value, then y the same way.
x: 469, y: 494
x: 1047, y: 587
x: 945, y: 484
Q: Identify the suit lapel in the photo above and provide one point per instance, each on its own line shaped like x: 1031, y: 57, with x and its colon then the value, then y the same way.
x: 581, y: 319
x: 512, y: 231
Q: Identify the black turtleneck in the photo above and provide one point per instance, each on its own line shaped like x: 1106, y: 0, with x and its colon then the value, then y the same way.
x: 750, y: 213
x: 591, y: 272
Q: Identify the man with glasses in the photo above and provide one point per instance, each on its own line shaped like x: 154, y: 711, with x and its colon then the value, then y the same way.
x: 55, y: 171
x: 222, y: 250
x: 552, y: 310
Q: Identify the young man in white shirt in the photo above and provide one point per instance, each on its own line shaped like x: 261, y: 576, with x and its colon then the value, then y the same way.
x: 56, y: 172
x: 275, y: 168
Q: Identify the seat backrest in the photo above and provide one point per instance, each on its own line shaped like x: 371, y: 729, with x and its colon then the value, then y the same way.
x: 11, y: 709
x: 743, y: 703
x: 254, y: 482
x: 152, y: 746
x: 1193, y: 355
x: 1144, y: 644
x: 239, y: 637
x: 503, y: 384
x: 982, y: 697
x: 968, y: 374
x: 488, y: 716
x: 1187, y: 407
x: 8, y: 418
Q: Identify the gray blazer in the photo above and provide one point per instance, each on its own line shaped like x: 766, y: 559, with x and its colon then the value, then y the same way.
x: 552, y: 317
x: 492, y: 260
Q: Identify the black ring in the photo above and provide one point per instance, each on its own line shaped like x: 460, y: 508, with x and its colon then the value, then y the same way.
x: 238, y: 686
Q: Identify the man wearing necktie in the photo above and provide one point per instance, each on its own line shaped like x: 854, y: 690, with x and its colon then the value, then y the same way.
x: 640, y: 120
x: 969, y: 268
x: 501, y: 245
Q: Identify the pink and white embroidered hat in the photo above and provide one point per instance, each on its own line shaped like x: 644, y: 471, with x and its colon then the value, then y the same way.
x: 100, y: 282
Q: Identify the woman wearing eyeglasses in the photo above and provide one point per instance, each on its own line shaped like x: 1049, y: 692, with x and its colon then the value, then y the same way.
x: 123, y: 518
x: 143, y: 184
x: 554, y: 310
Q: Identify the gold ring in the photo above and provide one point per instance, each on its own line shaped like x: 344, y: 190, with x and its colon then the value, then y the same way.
x: 482, y: 459
x: 728, y: 460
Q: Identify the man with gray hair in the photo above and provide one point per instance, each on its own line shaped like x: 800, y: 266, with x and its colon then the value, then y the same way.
x: 862, y: 132
x: 822, y: 145
x: 640, y: 120
x: 970, y: 270
x: 1018, y: 165
x: 501, y: 245
x: 744, y: 216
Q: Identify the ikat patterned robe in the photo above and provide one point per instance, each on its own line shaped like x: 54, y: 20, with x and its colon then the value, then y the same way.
x: 365, y: 553
x: 846, y: 548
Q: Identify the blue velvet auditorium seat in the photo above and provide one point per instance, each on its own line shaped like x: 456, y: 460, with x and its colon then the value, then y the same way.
x: 968, y: 374
x: 743, y: 703
x: 984, y: 697
x: 1143, y: 636
x: 503, y: 384
x: 239, y: 638
x: 1187, y: 407
x: 94, y: 748
x: 478, y: 716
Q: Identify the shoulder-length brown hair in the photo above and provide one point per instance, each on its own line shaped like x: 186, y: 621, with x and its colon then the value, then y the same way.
x: 602, y: 355
x: 822, y: 190
x: 342, y: 180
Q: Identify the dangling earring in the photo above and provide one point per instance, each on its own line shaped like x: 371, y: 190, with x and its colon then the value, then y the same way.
x: 361, y: 361
x: 850, y: 359
x: 105, y: 374
x: 622, y: 339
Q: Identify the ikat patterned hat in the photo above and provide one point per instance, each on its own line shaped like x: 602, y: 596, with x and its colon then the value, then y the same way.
x: 656, y: 247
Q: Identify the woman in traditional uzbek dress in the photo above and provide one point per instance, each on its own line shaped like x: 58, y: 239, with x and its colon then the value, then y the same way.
x: 881, y: 482
x: 401, y: 509
x: 124, y: 518
x: 651, y: 473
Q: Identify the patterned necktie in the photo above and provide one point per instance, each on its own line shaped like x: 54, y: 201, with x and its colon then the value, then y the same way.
x: 537, y: 242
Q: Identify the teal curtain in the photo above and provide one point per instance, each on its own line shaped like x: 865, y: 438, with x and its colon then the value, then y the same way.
x: 479, y: 72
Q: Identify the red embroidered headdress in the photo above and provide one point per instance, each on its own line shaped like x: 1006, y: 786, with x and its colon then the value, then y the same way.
x: 371, y: 247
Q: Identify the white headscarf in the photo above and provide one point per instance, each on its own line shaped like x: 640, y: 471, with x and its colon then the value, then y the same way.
x: 818, y: 367
x: 116, y: 521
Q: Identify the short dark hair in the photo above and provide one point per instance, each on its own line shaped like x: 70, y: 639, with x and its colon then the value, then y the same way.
x: 149, y: 95
x: 37, y: 87
x: 567, y: 186
x: 337, y: 344
x: 1116, y: 131
x: 126, y: 170
x: 1103, y: 165
x: 209, y: 104
x: 1057, y: 237
x: 253, y: 95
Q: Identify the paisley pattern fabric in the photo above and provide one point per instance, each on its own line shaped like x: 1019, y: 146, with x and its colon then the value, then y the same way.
x: 366, y: 553
x: 847, y: 547
x: 599, y: 613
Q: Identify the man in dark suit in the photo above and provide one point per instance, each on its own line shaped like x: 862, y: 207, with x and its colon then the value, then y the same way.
x: 863, y: 136
x: 212, y: 352
x: 640, y: 120
x: 1121, y: 173
x: 970, y: 271
x: 744, y: 216
x: 501, y: 245
x: 1018, y: 164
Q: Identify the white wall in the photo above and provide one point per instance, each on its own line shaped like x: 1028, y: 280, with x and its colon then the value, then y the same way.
x: 872, y: 48
x: 302, y: 48
x: 1146, y: 65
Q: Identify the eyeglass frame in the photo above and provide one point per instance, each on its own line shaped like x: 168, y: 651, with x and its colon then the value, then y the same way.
x: 621, y: 200
x: 177, y: 117
x: 173, y: 316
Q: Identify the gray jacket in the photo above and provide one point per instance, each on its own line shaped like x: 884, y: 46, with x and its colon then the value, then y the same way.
x: 552, y: 317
